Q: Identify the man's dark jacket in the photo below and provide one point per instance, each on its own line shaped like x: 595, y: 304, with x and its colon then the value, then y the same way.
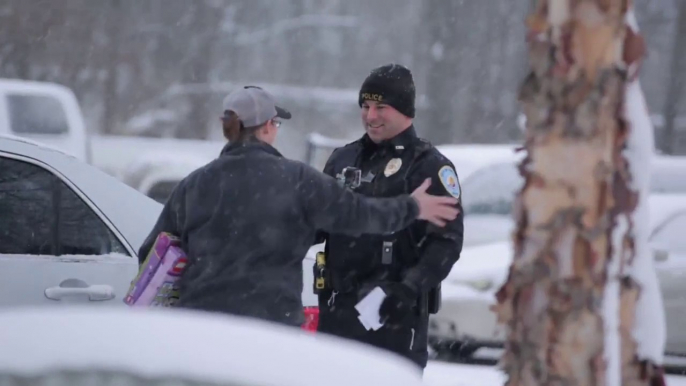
x: 246, y: 221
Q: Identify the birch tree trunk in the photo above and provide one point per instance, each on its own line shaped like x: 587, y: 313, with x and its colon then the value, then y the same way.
x: 570, y: 301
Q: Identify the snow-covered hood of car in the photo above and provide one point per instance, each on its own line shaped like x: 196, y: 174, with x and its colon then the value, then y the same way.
x: 488, y: 262
x: 229, y: 349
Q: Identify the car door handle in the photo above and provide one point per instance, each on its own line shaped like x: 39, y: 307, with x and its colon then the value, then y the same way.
x: 98, y: 292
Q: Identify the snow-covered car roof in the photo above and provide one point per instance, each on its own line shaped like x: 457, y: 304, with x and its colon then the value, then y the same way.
x: 131, y: 212
x: 469, y: 158
x: 44, y: 146
x: 189, y: 345
x: 30, y: 85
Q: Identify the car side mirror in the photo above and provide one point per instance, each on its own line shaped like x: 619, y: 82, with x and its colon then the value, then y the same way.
x: 660, y: 255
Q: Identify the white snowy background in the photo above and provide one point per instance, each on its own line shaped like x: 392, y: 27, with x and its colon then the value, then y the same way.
x: 160, y: 69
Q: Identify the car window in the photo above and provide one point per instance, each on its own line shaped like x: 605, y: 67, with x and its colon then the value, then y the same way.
x: 36, y: 114
x: 670, y: 235
x: 491, y: 189
x: 27, y: 221
x: 43, y: 216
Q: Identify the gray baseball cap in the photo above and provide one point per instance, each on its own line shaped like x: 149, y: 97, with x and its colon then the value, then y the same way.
x: 254, y: 106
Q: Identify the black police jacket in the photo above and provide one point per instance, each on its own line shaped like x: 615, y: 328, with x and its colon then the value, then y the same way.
x: 422, y: 254
x: 246, y: 221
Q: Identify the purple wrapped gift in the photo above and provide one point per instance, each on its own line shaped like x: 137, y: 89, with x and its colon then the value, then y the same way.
x: 159, y: 272
x: 162, y: 290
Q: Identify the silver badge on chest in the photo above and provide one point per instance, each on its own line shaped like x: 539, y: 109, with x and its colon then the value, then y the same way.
x: 392, y: 167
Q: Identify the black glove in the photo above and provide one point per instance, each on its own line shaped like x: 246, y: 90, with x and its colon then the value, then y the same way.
x: 398, y: 306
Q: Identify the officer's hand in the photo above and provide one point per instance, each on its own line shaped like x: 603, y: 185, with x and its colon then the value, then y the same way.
x: 397, y: 307
x: 435, y: 209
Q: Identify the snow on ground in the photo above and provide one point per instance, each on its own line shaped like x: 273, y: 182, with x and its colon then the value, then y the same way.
x: 450, y: 374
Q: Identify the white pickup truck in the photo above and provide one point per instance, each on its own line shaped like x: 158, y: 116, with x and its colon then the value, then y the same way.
x: 50, y: 113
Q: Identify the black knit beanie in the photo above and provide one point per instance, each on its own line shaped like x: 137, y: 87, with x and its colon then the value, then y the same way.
x: 392, y: 85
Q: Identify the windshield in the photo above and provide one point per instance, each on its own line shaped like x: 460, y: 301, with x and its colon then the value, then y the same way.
x: 491, y: 189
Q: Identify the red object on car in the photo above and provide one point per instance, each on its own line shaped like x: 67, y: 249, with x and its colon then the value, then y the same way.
x: 311, y: 319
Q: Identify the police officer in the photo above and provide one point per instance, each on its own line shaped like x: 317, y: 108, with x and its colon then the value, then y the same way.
x: 407, y: 265
x: 246, y: 219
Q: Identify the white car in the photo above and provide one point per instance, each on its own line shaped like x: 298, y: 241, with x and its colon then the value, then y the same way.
x: 75, y: 346
x: 488, y: 180
x: 68, y: 232
x: 488, y: 191
x: 466, y: 322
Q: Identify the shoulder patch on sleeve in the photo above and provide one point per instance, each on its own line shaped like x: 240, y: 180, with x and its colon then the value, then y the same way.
x: 449, y: 180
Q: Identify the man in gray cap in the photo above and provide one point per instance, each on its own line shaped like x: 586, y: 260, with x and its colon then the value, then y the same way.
x: 247, y: 219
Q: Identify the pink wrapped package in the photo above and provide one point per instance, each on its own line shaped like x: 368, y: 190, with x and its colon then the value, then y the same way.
x: 155, y: 285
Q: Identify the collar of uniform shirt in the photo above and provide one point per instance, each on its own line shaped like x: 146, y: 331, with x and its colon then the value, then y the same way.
x: 396, y: 144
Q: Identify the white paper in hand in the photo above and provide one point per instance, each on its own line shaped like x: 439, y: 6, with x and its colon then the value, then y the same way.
x: 368, y: 308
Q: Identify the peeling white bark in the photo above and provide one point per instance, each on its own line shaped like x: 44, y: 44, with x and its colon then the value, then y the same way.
x: 581, y: 301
